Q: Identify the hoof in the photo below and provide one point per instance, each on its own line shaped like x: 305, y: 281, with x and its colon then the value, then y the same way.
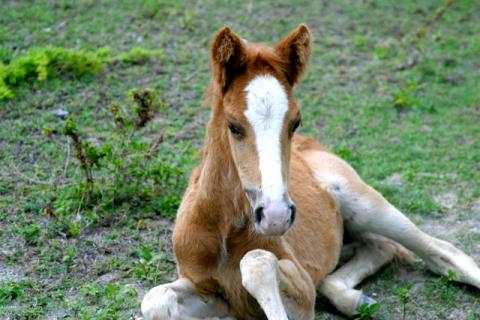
x: 364, y: 300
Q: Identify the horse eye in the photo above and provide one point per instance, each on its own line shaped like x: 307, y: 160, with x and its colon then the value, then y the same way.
x: 235, y: 130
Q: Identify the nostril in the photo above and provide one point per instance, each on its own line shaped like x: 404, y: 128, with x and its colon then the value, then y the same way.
x: 293, y: 214
x: 258, y: 214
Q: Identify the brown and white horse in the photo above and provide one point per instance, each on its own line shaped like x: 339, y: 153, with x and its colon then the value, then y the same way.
x: 261, y: 224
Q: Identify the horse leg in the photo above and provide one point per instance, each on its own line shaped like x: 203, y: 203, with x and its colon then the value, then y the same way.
x: 179, y: 301
x: 338, y: 287
x: 368, y: 211
x: 365, y: 210
x: 348, y: 251
x: 281, y: 287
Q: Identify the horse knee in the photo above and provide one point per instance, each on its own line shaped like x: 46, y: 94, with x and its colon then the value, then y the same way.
x: 159, y: 303
x: 258, y: 255
x: 258, y: 268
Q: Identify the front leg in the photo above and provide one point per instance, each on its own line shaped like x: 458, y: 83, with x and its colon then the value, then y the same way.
x: 282, y: 289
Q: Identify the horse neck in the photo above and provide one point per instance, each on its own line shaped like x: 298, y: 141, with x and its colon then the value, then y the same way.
x: 221, y: 194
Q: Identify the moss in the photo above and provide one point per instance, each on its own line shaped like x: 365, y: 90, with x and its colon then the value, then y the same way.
x: 44, y: 63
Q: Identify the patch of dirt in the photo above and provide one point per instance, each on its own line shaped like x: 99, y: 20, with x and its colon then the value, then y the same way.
x: 10, y: 273
x: 476, y: 208
x: 395, y: 180
x: 447, y: 200
x: 108, y: 278
x: 460, y: 232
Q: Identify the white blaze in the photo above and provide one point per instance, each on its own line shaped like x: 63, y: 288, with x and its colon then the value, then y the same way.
x: 267, y: 104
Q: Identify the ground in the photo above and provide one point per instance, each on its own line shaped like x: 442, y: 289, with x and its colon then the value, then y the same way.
x: 393, y: 87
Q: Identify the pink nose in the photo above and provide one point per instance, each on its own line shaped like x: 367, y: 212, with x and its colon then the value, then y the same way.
x: 275, y: 218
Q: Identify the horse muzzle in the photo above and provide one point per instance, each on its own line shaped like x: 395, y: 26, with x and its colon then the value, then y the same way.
x: 272, y: 217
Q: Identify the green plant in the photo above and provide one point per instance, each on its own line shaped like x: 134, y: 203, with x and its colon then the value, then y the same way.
x: 10, y: 291
x: 150, y: 8
x: 44, y: 63
x: 30, y: 232
x: 366, y: 311
x: 86, y: 153
x: 449, y: 278
x: 69, y: 256
x: 443, y: 288
x: 404, y: 295
x: 113, y: 298
x: 447, y: 287
x: 123, y: 173
x: 138, y: 55
x: 150, y: 267
x: 404, y: 97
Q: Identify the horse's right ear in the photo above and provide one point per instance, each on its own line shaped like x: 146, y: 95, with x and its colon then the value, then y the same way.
x: 296, y: 49
x: 228, y: 57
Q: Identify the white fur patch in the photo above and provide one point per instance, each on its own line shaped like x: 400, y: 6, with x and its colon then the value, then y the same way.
x: 267, y: 104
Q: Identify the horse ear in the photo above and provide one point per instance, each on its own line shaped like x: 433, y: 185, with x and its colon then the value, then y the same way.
x: 228, y: 57
x: 296, y: 49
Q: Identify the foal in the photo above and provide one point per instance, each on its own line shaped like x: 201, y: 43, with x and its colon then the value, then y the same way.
x: 261, y: 224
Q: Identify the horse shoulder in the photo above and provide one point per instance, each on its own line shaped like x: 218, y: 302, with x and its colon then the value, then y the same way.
x: 317, y: 236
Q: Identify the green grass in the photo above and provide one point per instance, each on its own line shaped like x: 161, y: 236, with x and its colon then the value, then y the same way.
x: 47, y: 62
x: 394, y: 95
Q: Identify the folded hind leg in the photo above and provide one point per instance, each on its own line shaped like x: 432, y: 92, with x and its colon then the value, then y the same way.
x: 179, y: 301
x: 365, y: 210
x: 368, y: 258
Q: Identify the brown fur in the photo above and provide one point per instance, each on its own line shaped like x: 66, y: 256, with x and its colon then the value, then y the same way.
x: 214, y: 228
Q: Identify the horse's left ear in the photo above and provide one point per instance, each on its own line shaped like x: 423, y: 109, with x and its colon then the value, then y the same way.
x: 228, y: 57
x: 296, y: 49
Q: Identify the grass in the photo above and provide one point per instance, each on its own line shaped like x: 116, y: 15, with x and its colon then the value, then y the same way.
x: 46, y: 62
x: 391, y: 88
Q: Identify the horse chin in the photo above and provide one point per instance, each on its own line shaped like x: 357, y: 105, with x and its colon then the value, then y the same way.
x: 277, y: 232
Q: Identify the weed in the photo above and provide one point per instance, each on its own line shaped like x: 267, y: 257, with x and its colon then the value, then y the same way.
x: 69, y: 256
x: 43, y: 63
x: 366, y: 311
x: 139, y: 55
x: 450, y: 277
x: 10, y: 291
x: 48, y: 62
x: 87, y: 155
x: 112, y: 264
x: 404, y: 98
x: 114, y: 298
x: 30, y: 232
x: 151, y: 8
x: 443, y: 288
x: 144, y: 101
x: 404, y: 295
x: 150, y: 266
x: 125, y: 171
